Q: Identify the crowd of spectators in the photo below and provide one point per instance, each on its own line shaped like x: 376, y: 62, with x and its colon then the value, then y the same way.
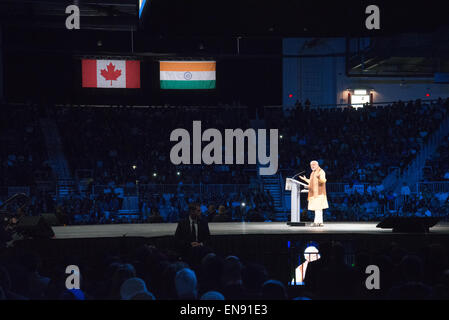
x: 376, y: 205
x: 249, y: 205
x: 105, y: 208
x: 356, y: 145
x: 409, y: 274
x: 23, y: 154
x: 127, y: 144
x: 110, y: 141
x: 150, y: 273
x: 437, y: 167
x: 130, y: 146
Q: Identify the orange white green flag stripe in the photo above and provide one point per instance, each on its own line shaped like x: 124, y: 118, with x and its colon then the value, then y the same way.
x: 187, y: 74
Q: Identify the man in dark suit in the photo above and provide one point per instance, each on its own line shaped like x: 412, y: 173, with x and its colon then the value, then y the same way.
x: 192, y: 234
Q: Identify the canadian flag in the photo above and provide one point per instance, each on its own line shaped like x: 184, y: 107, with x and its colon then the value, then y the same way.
x: 111, y: 73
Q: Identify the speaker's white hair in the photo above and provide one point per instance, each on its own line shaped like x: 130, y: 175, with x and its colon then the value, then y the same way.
x: 314, y: 161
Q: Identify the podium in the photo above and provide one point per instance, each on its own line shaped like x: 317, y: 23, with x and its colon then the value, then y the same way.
x: 295, y: 187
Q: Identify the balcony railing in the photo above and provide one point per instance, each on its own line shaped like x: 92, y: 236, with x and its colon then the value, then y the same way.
x: 433, y: 187
x: 190, y: 189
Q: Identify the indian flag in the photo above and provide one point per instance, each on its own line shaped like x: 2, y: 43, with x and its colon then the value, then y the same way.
x: 187, y: 74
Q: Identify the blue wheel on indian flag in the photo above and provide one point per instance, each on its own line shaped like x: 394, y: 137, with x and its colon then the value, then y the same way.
x: 188, y: 75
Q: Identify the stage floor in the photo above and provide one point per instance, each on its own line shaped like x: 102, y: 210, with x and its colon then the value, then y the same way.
x: 232, y: 228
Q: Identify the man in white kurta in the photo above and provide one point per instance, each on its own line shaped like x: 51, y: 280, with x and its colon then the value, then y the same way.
x: 317, y: 192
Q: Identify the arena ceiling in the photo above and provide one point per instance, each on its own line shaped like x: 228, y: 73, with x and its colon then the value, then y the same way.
x: 410, y: 54
x: 283, y: 18
x: 101, y: 15
x: 213, y: 27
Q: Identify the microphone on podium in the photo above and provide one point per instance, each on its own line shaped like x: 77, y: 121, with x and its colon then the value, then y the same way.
x: 297, y: 174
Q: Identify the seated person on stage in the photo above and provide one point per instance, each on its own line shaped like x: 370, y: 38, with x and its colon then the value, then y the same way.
x: 192, y: 232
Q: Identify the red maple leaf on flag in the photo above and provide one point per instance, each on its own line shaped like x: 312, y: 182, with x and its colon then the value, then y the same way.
x: 111, y: 73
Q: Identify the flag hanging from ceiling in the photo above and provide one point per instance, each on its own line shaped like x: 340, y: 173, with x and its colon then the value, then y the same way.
x: 187, y: 74
x: 111, y: 73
